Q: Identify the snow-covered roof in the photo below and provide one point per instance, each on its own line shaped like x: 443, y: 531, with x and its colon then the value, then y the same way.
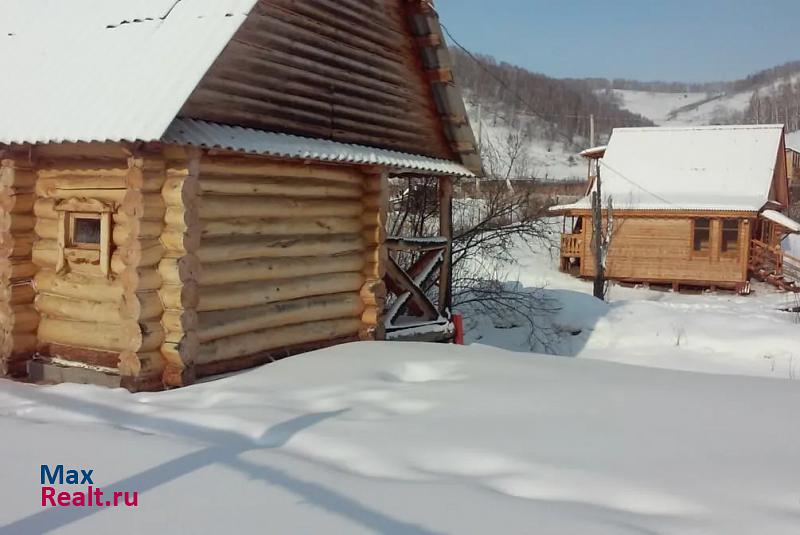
x: 594, y: 152
x: 105, y: 70
x: 696, y: 168
x: 211, y: 135
x: 782, y: 220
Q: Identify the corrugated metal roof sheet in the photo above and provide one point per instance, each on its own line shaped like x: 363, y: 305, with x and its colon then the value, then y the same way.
x: 697, y: 168
x: 105, y: 70
x: 782, y: 220
x: 236, y: 138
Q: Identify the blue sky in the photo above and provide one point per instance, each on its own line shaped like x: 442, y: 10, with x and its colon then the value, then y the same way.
x: 675, y: 40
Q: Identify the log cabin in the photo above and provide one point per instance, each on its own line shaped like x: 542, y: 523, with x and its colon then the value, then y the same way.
x: 195, y: 187
x: 700, y: 206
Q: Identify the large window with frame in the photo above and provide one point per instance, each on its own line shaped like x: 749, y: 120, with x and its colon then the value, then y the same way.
x: 729, y: 242
x: 701, y: 235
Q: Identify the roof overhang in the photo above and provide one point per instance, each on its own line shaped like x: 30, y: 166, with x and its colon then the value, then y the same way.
x: 780, y: 219
x: 209, y: 135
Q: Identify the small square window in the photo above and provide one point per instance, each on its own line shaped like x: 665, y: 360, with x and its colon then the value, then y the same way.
x: 85, y: 232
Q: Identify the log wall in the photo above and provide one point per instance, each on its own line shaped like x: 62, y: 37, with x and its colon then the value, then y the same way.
x: 18, y: 317
x: 278, y: 256
x: 107, y: 320
x: 216, y: 263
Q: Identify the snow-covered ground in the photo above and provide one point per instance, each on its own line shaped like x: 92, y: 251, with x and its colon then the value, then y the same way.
x: 717, y: 333
x: 416, y: 439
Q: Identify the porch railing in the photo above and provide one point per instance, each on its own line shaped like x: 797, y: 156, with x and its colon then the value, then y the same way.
x: 571, y: 245
x: 415, y: 309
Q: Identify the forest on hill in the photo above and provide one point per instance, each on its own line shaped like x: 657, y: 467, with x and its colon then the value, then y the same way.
x: 557, y: 109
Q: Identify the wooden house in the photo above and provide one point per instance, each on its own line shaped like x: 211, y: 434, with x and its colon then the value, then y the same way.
x: 196, y: 187
x: 699, y: 206
x: 793, y: 164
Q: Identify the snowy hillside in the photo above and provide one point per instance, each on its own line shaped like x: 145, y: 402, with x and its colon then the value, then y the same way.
x: 683, y: 109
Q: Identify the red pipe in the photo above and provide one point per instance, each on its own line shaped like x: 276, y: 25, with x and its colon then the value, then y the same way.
x: 458, y: 323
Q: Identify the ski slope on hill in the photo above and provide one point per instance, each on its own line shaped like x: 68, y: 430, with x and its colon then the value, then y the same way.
x: 682, y: 109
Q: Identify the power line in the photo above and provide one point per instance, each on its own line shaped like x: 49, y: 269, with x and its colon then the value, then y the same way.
x: 541, y: 115
x: 532, y: 109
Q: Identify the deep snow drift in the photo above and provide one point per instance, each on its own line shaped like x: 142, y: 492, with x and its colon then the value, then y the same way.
x: 416, y: 439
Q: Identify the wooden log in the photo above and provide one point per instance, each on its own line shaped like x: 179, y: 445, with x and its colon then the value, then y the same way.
x: 131, y: 230
x: 180, y: 191
x: 179, y: 269
x: 234, y: 207
x: 126, y: 336
x: 19, y: 344
x: 280, y: 227
x: 78, y: 286
x: 19, y: 319
x: 46, y: 228
x: 141, y: 364
x: 179, y: 320
x: 256, y: 342
x: 46, y: 254
x: 16, y: 244
x: 141, y: 279
x: 141, y: 253
x: 147, y: 207
x: 373, y: 293
x: 181, y: 241
x: 17, y: 203
x: 17, y: 294
x: 45, y: 209
x: 16, y: 223
x: 64, y: 308
x: 15, y: 269
x: 221, y: 250
x: 257, y: 167
x: 143, y: 305
x: 12, y: 177
x: 221, y: 324
x: 249, y: 294
x: 106, y: 195
x: 79, y: 169
x: 181, y: 217
x: 280, y: 187
x: 56, y: 187
x: 275, y: 268
x: 179, y: 296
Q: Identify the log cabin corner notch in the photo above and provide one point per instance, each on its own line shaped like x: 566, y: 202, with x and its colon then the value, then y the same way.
x: 698, y: 206
x: 220, y: 201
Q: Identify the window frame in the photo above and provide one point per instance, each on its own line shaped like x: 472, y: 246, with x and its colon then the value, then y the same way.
x: 734, y: 252
x: 700, y: 253
x: 71, y: 250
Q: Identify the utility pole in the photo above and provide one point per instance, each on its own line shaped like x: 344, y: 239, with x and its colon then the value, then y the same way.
x: 591, y: 131
x: 597, y: 237
x: 480, y: 147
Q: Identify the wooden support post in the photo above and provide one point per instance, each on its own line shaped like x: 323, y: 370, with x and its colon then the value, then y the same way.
x: 446, y: 231
x: 373, y: 293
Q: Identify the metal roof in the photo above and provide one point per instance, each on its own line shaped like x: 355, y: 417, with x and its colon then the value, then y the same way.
x: 784, y: 221
x: 105, y: 70
x: 236, y: 138
x: 695, y: 168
